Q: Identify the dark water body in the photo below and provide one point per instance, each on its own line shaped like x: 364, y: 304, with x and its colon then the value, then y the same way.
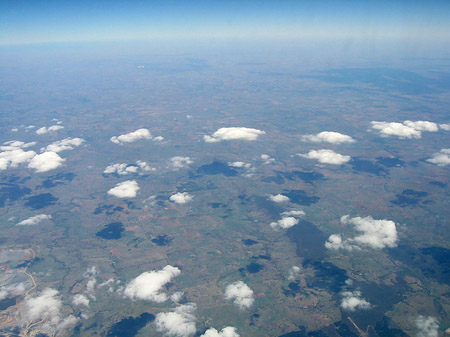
x: 254, y: 267
x: 263, y: 257
x: 362, y: 165
x: 113, y: 231
x: 327, y: 276
x: 249, y: 242
x: 57, y: 179
x: 7, y: 302
x: 300, y: 197
x: 306, y: 176
x: 108, y: 209
x: 438, y: 184
x: 309, y: 239
x: 216, y: 205
x: 272, y: 208
x: 409, y: 197
x: 390, y: 161
x: 40, y: 201
x: 216, y: 168
x: 162, y: 240
x: 130, y: 326
x: 12, y: 192
x: 433, y: 262
x: 292, y: 289
x: 278, y: 179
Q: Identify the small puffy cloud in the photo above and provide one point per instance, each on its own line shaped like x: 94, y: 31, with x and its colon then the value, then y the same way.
x: 80, y: 300
x: 279, y: 198
x: 225, y: 332
x: 178, y: 323
x: 44, y: 310
x: 181, y: 162
x: 46, y: 161
x: 376, y: 234
x: 428, y: 326
x: 63, y: 145
x: 328, y: 137
x: 158, y: 139
x: 352, y: 301
x: 148, y: 285
x: 44, y: 130
x: 132, y: 136
x: 124, y: 169
x: 296, y: 213
x: 234, y: 133
x: 445, y: 127
x: 177, y: 296
x: 293, y: 273
x: 240, y: 294
x: 326, y: 157
x: 181, y: 197
x: 267, y: 159
x: 239, y: 164
x: 125, y: 189
x: 407, y: 129
x: 284, y: 223
x: 34, y: 220
x: 441, y: 158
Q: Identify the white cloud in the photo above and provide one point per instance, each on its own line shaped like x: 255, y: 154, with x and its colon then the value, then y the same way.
x: 124, y: 169
x: 181, y: 162
x: 279, y: 198
x: 44, y: 310
x: 34, y: 220
x: 239, y: 164
x: 80, y: 300
x: 284, y: 223
x: 46, y: 161
x: 328, y: 137
x: 181, y: 197
x: 125, y: 189
x: 240, y: 294
x: 12, y: 290
x: 132, y: 136
x: 445, y: 127
x: 158, y: 139
x: 14, y: 157
x: 428, y: 326
x: 14, y: 129
x: 63, y: 145
x: 422, y: 125
x: 267, y: 159
x: 178, y: 323
x: 440, y: 158
x: 407, y: 129
x: 293, y: 273
x: 52, y: 128
x: 296, y: 213
x: 234, y: 133
x: 376, y: 234
x: 226, y: 332
x: 148, y: 285
x: 352, y: 301
x: 326, y: 157
x: 177, y: 296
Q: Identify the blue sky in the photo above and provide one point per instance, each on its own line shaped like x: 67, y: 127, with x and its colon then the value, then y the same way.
x: 35, y: 21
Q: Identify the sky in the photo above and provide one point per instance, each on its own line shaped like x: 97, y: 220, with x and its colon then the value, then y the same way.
x: 37, y: 21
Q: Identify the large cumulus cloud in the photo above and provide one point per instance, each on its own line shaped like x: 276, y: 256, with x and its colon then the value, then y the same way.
x: 46, y: 161
x: 177, y: 323
x: 13, y: 154
x: 407, y: 129
x: 125, y: 189
x: 234, y: 133
x: 148, y: 286
x: 441, y: 158
x: 376, y: 234
x: 240, y: 294
x: 427, y: 326
x: 352, y: 301
x: 225, y: 332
